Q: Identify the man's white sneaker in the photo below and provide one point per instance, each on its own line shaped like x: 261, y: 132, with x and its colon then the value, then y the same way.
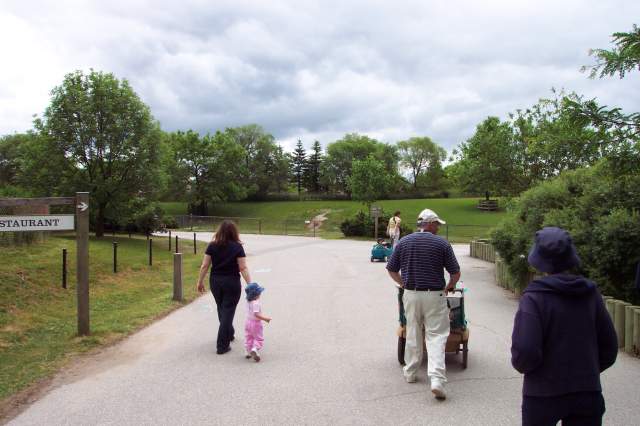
x: 437, y: 388
x: 410, y: 379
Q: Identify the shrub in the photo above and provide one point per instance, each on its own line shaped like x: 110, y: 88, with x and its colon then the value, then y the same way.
x: 599, y: 207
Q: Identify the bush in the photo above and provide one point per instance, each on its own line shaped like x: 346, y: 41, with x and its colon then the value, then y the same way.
x: 361, y: 225
x: 599, y: 207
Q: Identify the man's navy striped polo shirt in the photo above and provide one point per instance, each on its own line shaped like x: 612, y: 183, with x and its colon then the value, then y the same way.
x: 422, y: 258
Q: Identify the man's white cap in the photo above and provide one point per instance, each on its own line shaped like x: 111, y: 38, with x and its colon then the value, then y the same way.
x: 427, y: 216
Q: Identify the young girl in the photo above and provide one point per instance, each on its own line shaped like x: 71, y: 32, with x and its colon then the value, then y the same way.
x: 253, y: 325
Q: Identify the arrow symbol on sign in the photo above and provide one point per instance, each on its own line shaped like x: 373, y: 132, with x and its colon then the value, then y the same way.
x: 82, y: 206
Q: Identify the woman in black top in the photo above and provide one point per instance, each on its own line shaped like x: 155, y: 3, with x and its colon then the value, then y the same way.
x: 227, y: 259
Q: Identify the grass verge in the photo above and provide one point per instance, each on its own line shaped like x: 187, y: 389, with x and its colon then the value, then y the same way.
x: 38, y: 323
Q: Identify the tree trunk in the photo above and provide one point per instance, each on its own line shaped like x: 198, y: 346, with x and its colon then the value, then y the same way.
x: 100, y: 221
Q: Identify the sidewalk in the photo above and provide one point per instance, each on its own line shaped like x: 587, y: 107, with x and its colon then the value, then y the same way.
x: 329, y: 356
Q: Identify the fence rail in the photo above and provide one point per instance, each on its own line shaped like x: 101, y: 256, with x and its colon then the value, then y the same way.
x: 310, y: 228
x: 625, y: 317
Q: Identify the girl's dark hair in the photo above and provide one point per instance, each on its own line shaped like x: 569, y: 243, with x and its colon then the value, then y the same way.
x: 227, y: 231
x: 397, y: 213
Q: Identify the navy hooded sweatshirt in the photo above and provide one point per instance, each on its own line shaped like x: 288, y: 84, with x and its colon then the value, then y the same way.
x: 563, y: 337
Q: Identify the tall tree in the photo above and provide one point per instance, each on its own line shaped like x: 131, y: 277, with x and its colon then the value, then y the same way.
x: 108, y: 136
x: 342, y: 153
x: 624, y: 57
x: 298, y: 165
x: 265, y: 162
x: 312, y: 171
x: 554, y: 140
x: 490, y: 161
x: 207, y: 168
x: 369, y: 181
x: 419, y: 155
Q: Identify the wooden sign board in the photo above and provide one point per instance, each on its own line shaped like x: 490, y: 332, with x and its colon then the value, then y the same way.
x: 37, y: 223
x: 376, y: 211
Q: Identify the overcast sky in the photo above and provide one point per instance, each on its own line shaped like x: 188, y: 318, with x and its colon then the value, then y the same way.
x: 315, y: 70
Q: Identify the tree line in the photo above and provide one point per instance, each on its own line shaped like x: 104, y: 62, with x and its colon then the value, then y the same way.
x: 97, y: 135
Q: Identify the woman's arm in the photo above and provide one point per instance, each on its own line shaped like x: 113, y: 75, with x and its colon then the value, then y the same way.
x: 244, y: 270
x: 206, y: 262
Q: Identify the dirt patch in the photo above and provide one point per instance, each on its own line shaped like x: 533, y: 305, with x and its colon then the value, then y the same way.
x: 317, y: 221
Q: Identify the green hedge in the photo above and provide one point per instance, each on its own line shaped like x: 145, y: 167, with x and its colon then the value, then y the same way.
x: 600, y: 207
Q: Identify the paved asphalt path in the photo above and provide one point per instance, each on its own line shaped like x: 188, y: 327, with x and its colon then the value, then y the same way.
x: 329, y: 356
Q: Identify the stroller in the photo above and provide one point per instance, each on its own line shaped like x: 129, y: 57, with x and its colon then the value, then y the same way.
x: 459, y: 335
x: 381, y: 251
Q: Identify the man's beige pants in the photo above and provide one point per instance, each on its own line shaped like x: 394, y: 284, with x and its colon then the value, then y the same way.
x: 428, y: 308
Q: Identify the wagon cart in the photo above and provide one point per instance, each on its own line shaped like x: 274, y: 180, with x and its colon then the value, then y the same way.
x: 459, y: 335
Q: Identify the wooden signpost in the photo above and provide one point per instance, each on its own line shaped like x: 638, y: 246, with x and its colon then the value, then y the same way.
x: 375, y: 213
x: 21, y: 223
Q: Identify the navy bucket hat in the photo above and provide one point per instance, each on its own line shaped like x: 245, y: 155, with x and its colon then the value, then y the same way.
x: 253, y: 290
x: 553, y: 251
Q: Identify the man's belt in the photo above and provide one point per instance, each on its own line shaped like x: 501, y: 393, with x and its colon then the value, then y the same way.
x: 424, y: 289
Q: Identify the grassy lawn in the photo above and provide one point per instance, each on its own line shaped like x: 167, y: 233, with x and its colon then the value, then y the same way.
x: 38, y: 317
x: 464, y: 220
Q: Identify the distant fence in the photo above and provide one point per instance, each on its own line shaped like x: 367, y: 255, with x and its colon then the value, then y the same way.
x: 309, y: 228
x: 625, y: 317
x: 254, y: 225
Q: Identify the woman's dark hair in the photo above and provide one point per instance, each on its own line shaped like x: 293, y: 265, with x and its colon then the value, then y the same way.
x: 227, y: 231
x: 397, y: 213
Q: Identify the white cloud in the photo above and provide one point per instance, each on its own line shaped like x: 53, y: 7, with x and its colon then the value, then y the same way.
x: 315, y: 70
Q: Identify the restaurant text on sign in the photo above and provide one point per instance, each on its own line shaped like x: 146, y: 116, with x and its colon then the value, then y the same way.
x: 36, y: 223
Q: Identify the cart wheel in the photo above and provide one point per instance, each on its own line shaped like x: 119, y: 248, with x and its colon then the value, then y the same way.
x: 372, y: 258
x: 401, y: 344
x: 464, y: 355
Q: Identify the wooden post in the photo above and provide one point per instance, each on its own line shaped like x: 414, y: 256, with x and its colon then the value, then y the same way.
x: 115, y: 257
x: 636, y: 330
x: 195, y: 248
x: 169, y: 240
x: 177, y: 277
x: 375, y: 227
x: 64, y: 268
x: 176, y: 243
x: 628, y: 328
x: 82, y: 262
x: 150, y: 251
x: 618, y: 321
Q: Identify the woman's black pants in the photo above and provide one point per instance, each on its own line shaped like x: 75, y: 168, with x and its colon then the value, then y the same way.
x: 226, y: 291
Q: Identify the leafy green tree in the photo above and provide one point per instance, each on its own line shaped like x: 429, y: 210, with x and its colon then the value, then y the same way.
x: 553, y: 140
x: 490, y: 161
x: 368, y: 181
x: 342, y: 153
x: 624, y: 57
x: 313, y: 169
x: 420, y: 155
x: 266, y: 165
x: 108, y: 138
x: 207, y: 168
x: 10, y: 146
x: 298, y: 165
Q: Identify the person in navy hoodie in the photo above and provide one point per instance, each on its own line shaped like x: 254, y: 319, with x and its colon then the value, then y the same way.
x: 563, y: 338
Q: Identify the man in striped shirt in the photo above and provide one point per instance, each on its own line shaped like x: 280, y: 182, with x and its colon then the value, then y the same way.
x: 421, y: 258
